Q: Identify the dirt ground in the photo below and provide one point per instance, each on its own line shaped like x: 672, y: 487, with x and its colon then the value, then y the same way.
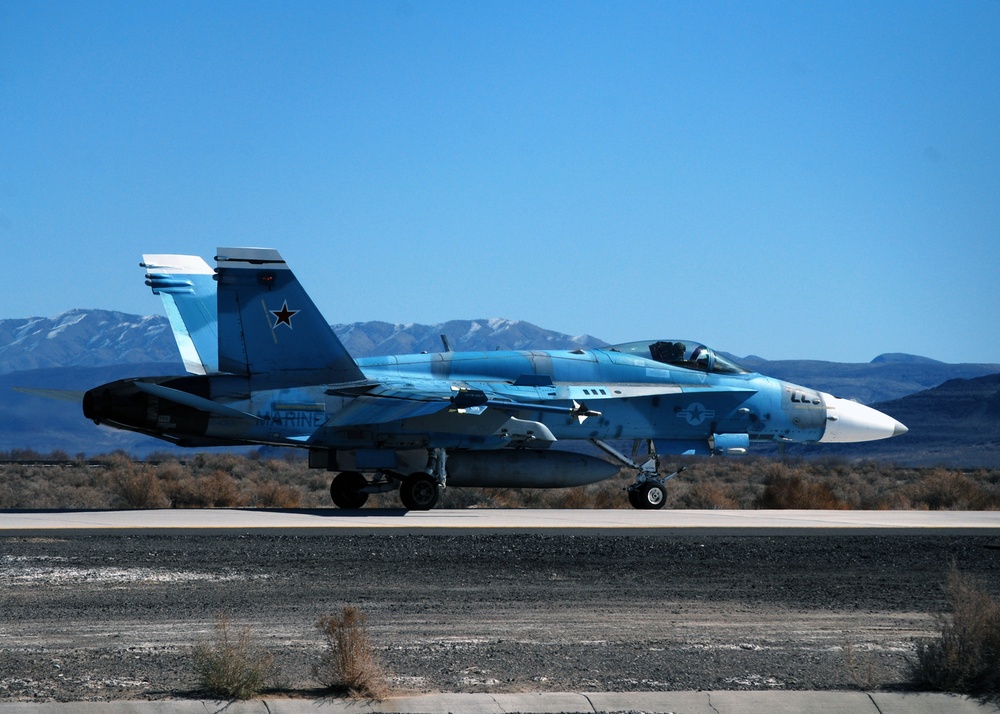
x: 116, y: 616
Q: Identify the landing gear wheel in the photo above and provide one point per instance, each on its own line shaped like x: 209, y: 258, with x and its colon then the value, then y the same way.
x: 419, y: 492
x: 633, y: 498
x: 346, y: 490
x: 649, y: 495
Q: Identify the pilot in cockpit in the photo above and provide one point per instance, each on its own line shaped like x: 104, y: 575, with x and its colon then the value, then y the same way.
x: 701, y: 358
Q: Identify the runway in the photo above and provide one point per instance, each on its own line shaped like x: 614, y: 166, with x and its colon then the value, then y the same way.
x: 108, y: 604
x: 510, y: 521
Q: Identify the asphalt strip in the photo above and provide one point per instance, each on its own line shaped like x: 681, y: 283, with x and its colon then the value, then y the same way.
x: 727, y: 702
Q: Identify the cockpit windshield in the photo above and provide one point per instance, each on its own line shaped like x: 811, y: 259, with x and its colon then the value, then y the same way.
x: 681, y: 353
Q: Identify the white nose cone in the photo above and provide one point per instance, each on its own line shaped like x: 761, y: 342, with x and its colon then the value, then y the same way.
x: 848, y: 422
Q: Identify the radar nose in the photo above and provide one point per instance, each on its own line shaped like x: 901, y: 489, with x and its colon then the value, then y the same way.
x: 848, y: 422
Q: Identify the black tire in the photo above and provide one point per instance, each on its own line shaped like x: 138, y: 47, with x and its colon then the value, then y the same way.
x: 345, y: 490
x: 633, y: 498
x: 419, y: 492
x: 651, y: 496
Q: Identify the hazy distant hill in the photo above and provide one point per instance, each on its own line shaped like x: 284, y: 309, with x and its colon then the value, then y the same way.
x: 83, y: 348
x: 46, y: 424
x: 954, y: 424
x: 885, y: 377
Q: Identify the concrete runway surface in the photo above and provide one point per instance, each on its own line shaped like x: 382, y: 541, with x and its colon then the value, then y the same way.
x: 581, y: 521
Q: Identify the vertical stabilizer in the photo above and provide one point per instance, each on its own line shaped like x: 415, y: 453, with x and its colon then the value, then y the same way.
x: 186, y: 285
x: 270, y: 328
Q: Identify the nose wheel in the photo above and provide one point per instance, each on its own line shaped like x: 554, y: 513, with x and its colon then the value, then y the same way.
x: 648, y: 491
x: 648, y: 495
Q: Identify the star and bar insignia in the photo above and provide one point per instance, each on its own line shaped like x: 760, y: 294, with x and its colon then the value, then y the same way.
x: 284, y: 315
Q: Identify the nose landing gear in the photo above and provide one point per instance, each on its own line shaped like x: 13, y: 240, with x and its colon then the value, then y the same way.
x: 648, y: 491
x: 649, y: 494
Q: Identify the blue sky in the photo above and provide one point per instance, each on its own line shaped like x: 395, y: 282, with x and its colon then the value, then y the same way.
x: 792, y: 180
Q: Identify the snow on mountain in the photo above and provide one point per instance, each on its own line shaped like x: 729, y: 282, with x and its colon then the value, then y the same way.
x: 84, y: 338
x: 96, y: 338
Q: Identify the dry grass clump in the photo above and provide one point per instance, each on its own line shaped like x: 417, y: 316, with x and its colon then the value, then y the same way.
x: 233, y: 667
x: 348, y: 663
x: 966, y: 658
x: 861, y: 666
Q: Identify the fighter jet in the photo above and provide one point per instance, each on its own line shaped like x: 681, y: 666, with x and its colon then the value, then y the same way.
x: 266, y: 368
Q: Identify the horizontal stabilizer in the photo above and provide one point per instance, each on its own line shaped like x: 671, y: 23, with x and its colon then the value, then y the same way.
x: 192, y: 400
x: 62, y: 395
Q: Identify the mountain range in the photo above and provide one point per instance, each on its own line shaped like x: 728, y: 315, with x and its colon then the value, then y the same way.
x: 952, y: 410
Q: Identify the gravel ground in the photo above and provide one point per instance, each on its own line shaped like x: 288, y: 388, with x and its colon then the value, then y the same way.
x: 115, y: 616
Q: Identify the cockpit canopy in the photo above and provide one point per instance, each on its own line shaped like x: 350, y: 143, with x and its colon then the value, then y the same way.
x: 681, y: 353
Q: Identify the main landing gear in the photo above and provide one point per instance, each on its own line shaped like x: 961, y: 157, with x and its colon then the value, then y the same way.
x: 648, y: 491
x: 419, y: 491
x: 347, y: 490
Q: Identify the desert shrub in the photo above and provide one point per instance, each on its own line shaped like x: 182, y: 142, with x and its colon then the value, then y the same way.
x: 220, y: 490
x: 233, y: 667
x: 348, y: 663
x: 271, y: 494
x: 138, y: 486
x: 966, y: 658
x: 607, y: 494
x: 183, y: 492
x: 20, y: 455
x: 787, y: 492
x: 264, y: 480
x: 574, y: 498
x: 450, y: 498
x: 942, y: 489
x: 708, y: 495
x: 63, y: 486
x: 216, y: 490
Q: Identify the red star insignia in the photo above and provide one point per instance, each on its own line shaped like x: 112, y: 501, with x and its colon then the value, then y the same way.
x: 284, y: 315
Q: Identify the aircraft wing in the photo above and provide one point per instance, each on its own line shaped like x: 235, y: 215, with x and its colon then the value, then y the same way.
x: 433, y: 410
x: 385, y: 407
x: 384, y: 403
